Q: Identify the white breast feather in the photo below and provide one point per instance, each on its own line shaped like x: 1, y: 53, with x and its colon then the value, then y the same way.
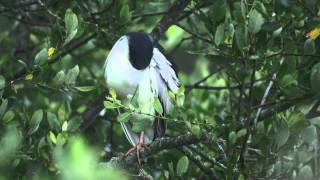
x: 119, y: 73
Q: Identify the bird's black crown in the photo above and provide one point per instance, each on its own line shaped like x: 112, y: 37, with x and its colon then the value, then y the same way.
x: 140, y: 49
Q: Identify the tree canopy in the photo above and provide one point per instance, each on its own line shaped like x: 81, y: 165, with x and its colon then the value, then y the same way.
x: 247, y: 107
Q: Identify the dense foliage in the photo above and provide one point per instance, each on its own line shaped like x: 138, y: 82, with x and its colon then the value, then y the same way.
x: 250, y: 70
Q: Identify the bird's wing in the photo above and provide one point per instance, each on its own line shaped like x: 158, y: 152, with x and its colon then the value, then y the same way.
x: 165, y: 78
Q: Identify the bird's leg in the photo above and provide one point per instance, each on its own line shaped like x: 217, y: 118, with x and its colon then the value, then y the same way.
x: 138, y: 146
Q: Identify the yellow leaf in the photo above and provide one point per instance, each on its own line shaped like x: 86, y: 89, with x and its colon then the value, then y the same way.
x: 51, y: 52
x: 29, y: 77
x: 314, y: 33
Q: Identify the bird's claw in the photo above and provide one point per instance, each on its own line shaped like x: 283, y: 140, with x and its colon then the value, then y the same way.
x: 137, y: 147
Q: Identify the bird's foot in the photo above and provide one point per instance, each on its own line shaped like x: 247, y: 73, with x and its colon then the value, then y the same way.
x: 137, y: 147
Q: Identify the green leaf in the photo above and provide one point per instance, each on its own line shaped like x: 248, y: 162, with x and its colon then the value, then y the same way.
x: 315, y: 121
x: 74, y: 123
x: 297, y: 121
x: 124, y: 117
x: 52, y: 137
x: 180, y: 96
x: 157, y: 106
x: 125, y: 13
x: 195, y: 129
x: 71, y: 25
x: 23, y: 63
x: 288, y: 79
x: 174, y: 35
x: 42, y: 143
x: 260, y: 7
x: 219, y: 35
x: 309, y: 134
x: 61, y: 139
x: 2, y: 82
x: 241, y: 177
x: 8, y: 116
x: 232, y: 137
x: 72, y: 75
x: 311, y: 4
x: 166, y: 174
x: 59, y: 78
x: 188, y: 124
x: 53, y: 121
x: 293, y: 91
x: 171, y: 168
x: 181, y: 90
x: 141, y: 125
x: 110, y: 105
x: 241, y: 35
x: 277, y: 32
x: 172, y: 96
x: 180, y: 100
x: 282, y: 136
x: 241, y: 133
x: 239, y: 12
x: 315, y: 78
x: 219, y: 10
x: 305, y: 172
x: 10, y: 141
x: 303, y: 156
x: 64, y: 126
x: 182, y: 166
x: 63, y: 113
x: 41, y: 57
x: 3, y: 107
x: 113, y: 93
x: 255, y: 22
x: 85, y: 88
x: 309, y: 47
x: 35, y: 121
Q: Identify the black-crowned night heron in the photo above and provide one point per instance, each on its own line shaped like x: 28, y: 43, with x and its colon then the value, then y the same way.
x: 136, y: 66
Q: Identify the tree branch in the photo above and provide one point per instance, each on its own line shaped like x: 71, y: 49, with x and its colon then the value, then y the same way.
x: 127, y: 162
x: 280, y: 107
x: 204, y: 155
x: 266, y: 93
x: 170, y: 18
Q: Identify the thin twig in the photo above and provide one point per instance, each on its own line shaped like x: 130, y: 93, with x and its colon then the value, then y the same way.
x: 203, y: 79
x: 170, y: 18
x: 266, y: 93
x: 194, y: 34
x: 149, y: 14
x: 49, y: 11
x: 218, y: 88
